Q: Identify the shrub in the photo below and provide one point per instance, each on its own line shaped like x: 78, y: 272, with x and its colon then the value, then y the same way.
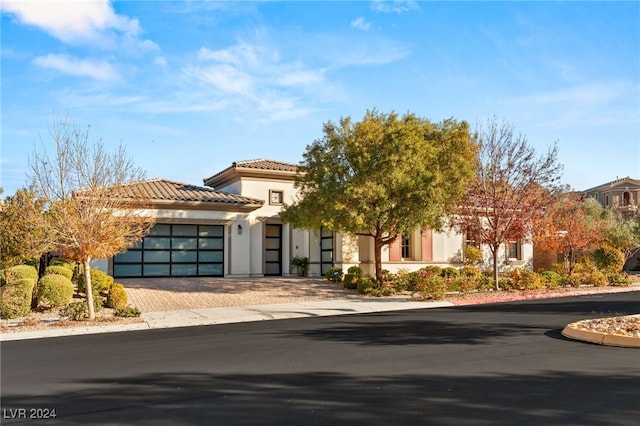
x: 471, y: 272
x: 506, y: 283
x: 127, y: 311
x: 351, y: 281
x: 366, y: 283
x: 99, y: 281
x: 574, y: 280
x: 609, y: 260
x: 619, y: 280
x: 54, y: 290
x: 463, y: 284
x: 355, y: 270
x: 551, y: 279
x: 18, y: 272
x: 472, y: 255
x: 596, y: 278
x: 334, y: 274
x: 530, y: 280
x: 59, y: 270
x: 561, y: 269
x: 432, y: 269
x: 75, y: 311
x: 58, y: 261
x: 431, y: 285
x: 15, y: 298
x: 117, y: 297
x: 450, y: 272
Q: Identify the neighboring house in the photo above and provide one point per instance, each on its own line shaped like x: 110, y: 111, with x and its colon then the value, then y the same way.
x: 620, y: 196
x: 232, y: 228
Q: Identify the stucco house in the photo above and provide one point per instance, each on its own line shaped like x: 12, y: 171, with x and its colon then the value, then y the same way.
x: 621, y: 195
x: 231, y: 227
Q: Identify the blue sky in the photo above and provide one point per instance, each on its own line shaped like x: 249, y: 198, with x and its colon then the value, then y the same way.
x: 188, y: 87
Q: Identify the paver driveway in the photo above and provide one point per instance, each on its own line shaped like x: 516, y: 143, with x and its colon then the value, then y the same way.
x: 168, y: 294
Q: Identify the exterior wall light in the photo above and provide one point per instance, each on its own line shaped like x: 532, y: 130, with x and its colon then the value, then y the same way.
x: 239, y: 229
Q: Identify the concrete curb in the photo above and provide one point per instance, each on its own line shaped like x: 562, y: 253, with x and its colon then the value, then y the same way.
x: 573, y: 331
x: 213, y: 316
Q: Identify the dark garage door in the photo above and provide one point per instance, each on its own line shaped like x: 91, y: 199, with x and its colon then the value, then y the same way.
x: 175, y: 251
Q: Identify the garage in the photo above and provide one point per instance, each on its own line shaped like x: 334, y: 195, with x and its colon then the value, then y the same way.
x: 175, y: 250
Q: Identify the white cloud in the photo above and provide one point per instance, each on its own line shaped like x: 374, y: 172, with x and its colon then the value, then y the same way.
x: 395, y: 6
x: 160, y: 61
x: 92, y: 22
x: 301, y: 78
x: 361, y: 24
x: 99, y: 70
x: 225, y: 78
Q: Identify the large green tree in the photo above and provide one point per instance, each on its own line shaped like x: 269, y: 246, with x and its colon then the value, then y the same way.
x: 22, y: 237
x: 383, y: 176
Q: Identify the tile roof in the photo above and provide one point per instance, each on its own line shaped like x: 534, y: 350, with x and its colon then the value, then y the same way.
x: 252, y: 168
x: 263, y: 164
x: 166, y: 191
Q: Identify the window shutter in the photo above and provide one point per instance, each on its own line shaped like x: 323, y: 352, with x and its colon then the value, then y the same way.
x: 427, y: 244
x: 395, y: 249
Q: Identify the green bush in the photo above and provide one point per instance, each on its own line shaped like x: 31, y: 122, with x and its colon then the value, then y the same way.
x: 471, y: 272
x: 100, y: 281
x: 334, y: 274
x: 18, y: 272
x: 15, y: 298
x: 54, y: 290
x: 463, y: 284
x: 609, y: 260
x: 351, y: 281
x: 59, y: 270
x: 551, y: 279
x: 450, y: 272
x: 596, y: 279
x: 355, y: 270
x: 431, y: 285
x: 530, y: 280
x: 619, y: 280
x: 506, y: 283
x: 432, y: 269
x: 366, y: 283
x: 117, y: 297
x: 58, y: 261
x: 574, y: 280
x: 127, y: 311
x: 75, y: 311
x: 472, y: 255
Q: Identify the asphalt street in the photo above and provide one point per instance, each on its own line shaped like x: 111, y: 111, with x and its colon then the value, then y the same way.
x: 503, y: 363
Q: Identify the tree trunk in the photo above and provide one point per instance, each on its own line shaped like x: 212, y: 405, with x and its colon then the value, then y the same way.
x: 88, y: 288
x: 494, y: 251
x: 378, y: 257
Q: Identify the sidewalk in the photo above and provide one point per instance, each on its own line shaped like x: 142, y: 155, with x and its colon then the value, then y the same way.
x: 174, y: 303
x: 235, y: 314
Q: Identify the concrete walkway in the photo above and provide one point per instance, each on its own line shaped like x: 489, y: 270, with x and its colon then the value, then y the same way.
x: 185, y: 302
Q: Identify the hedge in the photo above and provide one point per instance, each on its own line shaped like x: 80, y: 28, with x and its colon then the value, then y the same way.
x: 15, y: 298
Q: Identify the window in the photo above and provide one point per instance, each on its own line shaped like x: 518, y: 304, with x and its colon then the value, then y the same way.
x: 471, y: 238
x: 514, y: 250
x: 275, y: 198
x: 406, y: 247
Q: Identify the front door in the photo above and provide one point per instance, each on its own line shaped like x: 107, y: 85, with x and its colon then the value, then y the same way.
x: 273, y: 249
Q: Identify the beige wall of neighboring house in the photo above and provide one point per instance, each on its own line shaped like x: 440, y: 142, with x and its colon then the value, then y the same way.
x: 620, y: 195
x: 231, y: 227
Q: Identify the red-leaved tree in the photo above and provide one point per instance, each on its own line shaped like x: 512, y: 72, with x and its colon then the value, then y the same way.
x: 568, y: 228
x: 512, y: 187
